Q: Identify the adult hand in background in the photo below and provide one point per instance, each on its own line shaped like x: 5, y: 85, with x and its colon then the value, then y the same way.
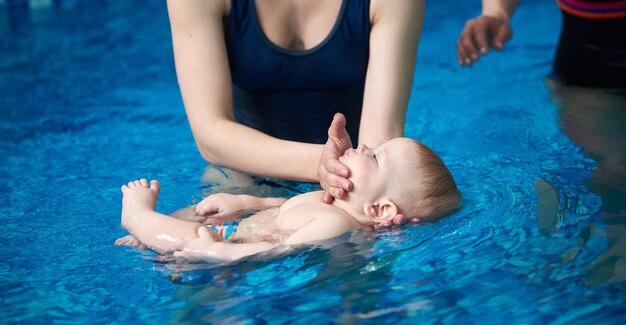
x: 479, y: 35
x: 332, y: 174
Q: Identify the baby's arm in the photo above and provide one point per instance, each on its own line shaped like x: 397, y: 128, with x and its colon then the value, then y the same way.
x: 222, y: 207
x: 206, y: 247
x: 325, y: 225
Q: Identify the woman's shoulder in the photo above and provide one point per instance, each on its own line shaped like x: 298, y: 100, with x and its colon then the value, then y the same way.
x: 208, y: 8
x: 226, y: 7
x: 384, y: 8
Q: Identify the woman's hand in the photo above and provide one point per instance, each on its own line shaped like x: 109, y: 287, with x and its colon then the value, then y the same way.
x: 219, y: 208
x: 479, y: 34
x: 332, y: 174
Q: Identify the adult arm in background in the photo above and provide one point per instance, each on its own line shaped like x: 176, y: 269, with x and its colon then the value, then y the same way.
x: 394, y: 37
x: 491, y: 29
x: 205, y: 83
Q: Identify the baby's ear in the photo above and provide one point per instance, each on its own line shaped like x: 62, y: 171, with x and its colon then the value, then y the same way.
x: 387, y: 210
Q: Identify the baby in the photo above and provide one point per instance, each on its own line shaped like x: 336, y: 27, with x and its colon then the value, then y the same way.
x: 400, y: 180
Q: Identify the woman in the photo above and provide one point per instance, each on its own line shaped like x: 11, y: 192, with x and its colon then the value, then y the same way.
x: 261, y: 80
x: 591, y: 51
x: 588, y: 83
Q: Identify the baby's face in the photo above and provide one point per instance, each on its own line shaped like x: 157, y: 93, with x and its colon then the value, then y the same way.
x: 371, y: 168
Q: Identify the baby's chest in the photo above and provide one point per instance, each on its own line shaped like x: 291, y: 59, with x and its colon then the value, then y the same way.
x: 298, y: 212
x: 295, y: 218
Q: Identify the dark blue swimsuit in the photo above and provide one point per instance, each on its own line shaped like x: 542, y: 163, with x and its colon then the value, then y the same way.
x: 293, y: 95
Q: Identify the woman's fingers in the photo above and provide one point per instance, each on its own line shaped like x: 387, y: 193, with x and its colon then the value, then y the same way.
x: 460, y: 54
x: 463, y: 52
x: 335, y: 167
x: 503, y: 33
x: 337, y: 130
x: 335, y: 178
x: 332, y: 174
x: 328, y: 199
x: 467, y: 41
x: 333, y: 184
x: 337, y: 126
x: 335, y: 192
x: 480, y: 35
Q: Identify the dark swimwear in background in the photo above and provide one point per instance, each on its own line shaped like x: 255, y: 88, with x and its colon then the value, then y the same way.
x: 293, y: 95
x: 592, y: 46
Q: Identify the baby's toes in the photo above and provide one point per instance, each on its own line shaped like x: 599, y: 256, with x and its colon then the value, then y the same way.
x: 155, y: 186
x: 128, y: 240
x: 121, y: 241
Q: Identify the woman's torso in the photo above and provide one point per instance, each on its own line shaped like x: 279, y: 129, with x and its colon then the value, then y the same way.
x: 294, y: 64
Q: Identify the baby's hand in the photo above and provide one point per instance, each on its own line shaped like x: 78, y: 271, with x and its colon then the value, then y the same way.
x: 199, y: 248
x: 220, y: 208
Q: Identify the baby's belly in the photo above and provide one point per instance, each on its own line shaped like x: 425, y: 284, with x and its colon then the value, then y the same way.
x: 260, y: 227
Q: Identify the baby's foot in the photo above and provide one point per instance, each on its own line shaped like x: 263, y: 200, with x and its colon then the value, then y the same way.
x: 138, y: 196
x: 130, y: 240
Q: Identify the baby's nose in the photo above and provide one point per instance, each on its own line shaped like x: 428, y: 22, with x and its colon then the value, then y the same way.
x: 363, y: 148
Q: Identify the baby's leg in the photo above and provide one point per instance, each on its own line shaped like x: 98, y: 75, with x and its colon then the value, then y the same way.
x: 157, y: 231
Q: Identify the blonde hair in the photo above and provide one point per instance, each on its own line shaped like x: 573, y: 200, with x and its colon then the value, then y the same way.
x: 432, y: 193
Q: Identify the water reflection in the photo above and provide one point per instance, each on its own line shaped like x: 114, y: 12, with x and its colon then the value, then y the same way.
x: 272, y: 288
x: 596, y: 120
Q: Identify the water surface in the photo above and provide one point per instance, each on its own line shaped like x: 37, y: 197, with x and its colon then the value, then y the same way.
x: 89, y: 100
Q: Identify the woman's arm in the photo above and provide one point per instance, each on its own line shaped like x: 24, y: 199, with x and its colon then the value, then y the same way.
x: 394, y: 37
x: 204, y: 79
x: 499, y: 8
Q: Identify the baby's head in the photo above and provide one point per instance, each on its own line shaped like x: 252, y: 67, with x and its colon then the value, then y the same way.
x: 401, y: 177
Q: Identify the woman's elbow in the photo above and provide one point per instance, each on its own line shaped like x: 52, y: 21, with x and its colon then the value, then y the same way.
x: 210, y: 143
x: 210, y: 157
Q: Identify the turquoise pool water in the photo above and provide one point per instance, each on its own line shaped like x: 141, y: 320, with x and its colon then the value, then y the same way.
x: 89, y: 100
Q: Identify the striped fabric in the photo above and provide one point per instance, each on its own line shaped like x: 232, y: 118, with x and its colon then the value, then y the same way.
x: 594, y: 9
